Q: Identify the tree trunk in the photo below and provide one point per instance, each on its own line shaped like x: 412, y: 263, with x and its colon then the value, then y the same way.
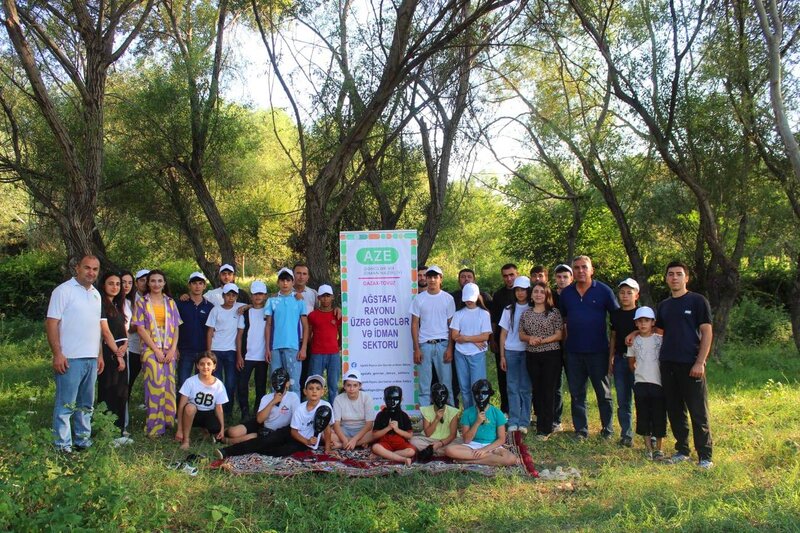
x: 794, y: 307
x: 214, y: 217
x: 317, y: 233
x: 723, y: 290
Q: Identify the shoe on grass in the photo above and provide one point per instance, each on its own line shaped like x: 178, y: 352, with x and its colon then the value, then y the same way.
x: 678, y: 457
x: 607, y: 435
x: 658, y: 455
x: 627, y: 442
x: 558, y: 428
x: 580, y: 437
x: 705, y: 464
x: 122, y: 441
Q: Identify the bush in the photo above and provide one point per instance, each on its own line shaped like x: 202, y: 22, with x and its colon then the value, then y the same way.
x: 752, y: 322
x: 28, y: 280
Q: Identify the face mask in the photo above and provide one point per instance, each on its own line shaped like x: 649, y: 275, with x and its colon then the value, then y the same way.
x: 322, y: 417
x: 392, y: 397
x: 439, y: 396
x: 481, y: 393
x: 280, y: 378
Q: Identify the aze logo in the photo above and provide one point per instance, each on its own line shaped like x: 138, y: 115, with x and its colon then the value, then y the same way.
x: 377, y: 256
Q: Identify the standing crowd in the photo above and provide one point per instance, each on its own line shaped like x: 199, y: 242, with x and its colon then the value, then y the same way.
x: 126, y: 326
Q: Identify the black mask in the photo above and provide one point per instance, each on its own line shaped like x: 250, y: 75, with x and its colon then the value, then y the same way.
x: 392, y: 397
x: 481, y: 393
x: 322, y: 417
x: 280, y: 379
x: 439, y: 395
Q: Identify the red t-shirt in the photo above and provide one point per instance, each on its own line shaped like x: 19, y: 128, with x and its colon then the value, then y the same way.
x: 325, y: 328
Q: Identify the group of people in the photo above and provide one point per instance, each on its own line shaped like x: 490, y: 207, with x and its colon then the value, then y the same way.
x: 229, y: 336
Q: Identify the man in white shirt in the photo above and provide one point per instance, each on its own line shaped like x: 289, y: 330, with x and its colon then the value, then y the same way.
x: 431, y: 312
x: 73, y: 332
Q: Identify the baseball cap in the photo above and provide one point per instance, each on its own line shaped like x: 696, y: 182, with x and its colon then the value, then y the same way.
x: 230, y: 287
x: 258, y: 287
x: 325, y: 289
x: 285, y: 271
x: 226, y: 266
x: 630, y: 282
x: 563, y: 268
x: 470, y: 293
x: 644, y: 312
x: 197, y: 275
x: 315, y: 377
x: 142, y: 273
x: 522, y: 282
x: 352, y: 375
x: 433, y: 269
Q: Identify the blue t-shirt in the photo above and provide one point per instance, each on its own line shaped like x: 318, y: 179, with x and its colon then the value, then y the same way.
x: 285, y: 312
x: 585, y: 317
x: 192, y: 332
x: 487, y: 433
x: 681, y: 318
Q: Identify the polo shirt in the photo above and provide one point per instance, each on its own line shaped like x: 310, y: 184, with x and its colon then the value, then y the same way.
x: 681, y: 318
x: 585, y: 317
x: 78, y: 311
x: 192, y: 336
x: 285, y: 311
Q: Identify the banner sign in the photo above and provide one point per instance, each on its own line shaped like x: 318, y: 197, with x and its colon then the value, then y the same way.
x: 379, y: 280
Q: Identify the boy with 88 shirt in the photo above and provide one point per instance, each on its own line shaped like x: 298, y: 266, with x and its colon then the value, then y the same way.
x: 202, y: 396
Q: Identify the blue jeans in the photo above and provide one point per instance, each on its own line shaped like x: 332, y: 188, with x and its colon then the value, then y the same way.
x: 519, y: 388
x: 185, y: 367
x: 583, y: 367
x: 226, y: 364
x: 332, y: 362
x: 74, y: 403
x: 433, y: 356
x: 623, y: 382
x: 469, y: 369
x: 287, y: 358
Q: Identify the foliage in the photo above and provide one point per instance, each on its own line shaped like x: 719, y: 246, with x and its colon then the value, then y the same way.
x: 28, y: 280
x: 753, y: 322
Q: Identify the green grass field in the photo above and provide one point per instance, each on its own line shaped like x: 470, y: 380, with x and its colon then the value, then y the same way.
x: 755, y: 485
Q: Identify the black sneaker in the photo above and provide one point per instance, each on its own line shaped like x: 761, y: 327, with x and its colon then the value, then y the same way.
x: 627, y: 442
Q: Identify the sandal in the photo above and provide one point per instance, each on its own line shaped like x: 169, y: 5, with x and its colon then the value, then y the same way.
x: 175, y: 466
x: 189, y: 469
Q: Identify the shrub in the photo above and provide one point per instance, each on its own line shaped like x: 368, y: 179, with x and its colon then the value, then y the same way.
x: 28, y: 280
x: 752, y: 322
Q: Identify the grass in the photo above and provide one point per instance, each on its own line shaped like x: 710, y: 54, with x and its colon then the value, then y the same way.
x: 755, y: 486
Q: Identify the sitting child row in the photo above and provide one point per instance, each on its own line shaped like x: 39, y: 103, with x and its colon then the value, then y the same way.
x: 284, y: 425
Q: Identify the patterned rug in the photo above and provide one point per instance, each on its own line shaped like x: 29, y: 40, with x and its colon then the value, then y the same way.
x: 357, y: 463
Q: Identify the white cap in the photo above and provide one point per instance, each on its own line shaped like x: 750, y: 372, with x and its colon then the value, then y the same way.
x: 470, y: 293
x: 285, y: 270
x: 226, y: 266
x: 522, y: 282
x: 197, y: 275
x: 644, y: 312
x: 257, y: 287
x: 562, y: 267
x: 352, y: 375
x: 230, y: 287
x: 433, y: 269
x: 325, y: 289
x: 630, y: 282
x: 142, y: 273
x: 315, y: 377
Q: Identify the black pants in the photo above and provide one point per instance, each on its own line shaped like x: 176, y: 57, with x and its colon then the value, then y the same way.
x: 243, y: 386
x: 684, y: 393
x: 502, y: 384
x: 651, y: 410
x: 134, y: 369
x: 277, y: 443
x: 112, y: 388
x: 544, y: 369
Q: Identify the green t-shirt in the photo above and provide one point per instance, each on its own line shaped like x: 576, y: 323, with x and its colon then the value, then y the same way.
x: 487, y: 433
x: 442, y: 431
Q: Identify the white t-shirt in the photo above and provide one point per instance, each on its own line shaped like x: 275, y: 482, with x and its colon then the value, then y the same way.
x: 303, y: 420
x: 471, y: 322
x: 645, y: 350
x: 78, y: 311
x: 134, y: 341
x: 255, y: 336
x: 204, y: 397
x: 434, y: 312
x: 215, y: 296
x: 225, y: 322
x: 281, y: 415
x: 310, y: 298
x: 512, y: 337
x: 353, y: 414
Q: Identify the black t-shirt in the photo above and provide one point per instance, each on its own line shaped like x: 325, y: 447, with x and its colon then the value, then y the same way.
x: 502, y: 298
x: 622, y: 324
x: 116, y: 324
x: 382, y: 420
x: 681, y: 318
x: 487, y: 299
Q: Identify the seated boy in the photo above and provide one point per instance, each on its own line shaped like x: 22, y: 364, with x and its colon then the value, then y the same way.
x: 392, y: 429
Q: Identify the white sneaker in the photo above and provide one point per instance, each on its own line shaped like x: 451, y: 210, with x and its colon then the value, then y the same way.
x: 706, y: 464
x: 122, y: 441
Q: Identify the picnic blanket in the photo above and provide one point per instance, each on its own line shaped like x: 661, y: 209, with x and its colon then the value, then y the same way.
x: 357, y: 463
